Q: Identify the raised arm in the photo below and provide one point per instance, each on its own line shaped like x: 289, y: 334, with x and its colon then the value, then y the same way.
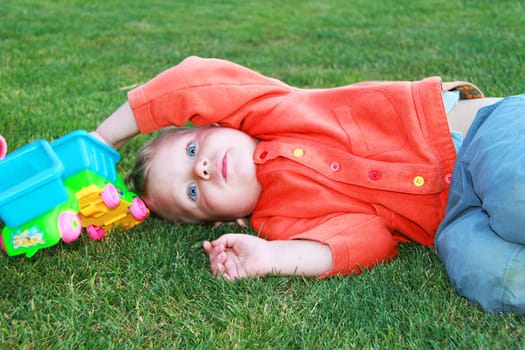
x: 118, y: 128
x: 198, y: 90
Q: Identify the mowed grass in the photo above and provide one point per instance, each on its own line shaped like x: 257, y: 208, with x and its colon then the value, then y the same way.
x: 66, y: 65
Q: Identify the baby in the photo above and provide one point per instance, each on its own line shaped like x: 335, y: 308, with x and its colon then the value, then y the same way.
x: 332, y: 179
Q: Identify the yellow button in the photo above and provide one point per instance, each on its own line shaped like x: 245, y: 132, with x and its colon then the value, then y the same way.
x: 419, y: 181
x: 298, y: 152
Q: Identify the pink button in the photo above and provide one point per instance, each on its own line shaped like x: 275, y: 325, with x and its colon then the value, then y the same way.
x: 334, y: 166
x: 374, y: 175
x: 448, y: 178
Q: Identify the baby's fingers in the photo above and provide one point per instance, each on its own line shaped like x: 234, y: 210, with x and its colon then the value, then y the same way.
x: 212, y: 249
x: 217, y: 270
x: 207, y: 247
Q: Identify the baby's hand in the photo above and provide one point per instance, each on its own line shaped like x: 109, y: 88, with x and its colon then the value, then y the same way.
x: 234, y: 256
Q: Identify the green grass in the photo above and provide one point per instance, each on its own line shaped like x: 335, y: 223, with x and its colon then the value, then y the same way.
x: 67, y: 65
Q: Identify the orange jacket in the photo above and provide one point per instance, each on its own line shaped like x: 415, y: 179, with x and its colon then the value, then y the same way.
x: 358, y: 167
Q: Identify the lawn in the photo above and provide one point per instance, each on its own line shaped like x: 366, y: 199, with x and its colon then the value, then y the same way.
x: 66, y: 65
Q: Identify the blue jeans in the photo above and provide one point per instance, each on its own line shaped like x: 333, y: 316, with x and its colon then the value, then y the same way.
x: 481, y: 240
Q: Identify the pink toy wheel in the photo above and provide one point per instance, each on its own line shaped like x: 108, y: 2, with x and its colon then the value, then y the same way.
x: 69, y: 226
x: 3, y: 147
x: 110, y: 196
x: 95, y: 232
x: 138, y: 209
x: 2, y: 244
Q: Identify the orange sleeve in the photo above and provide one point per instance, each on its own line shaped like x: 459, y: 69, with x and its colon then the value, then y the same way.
x: 357, y: 241
x: 204, y: 92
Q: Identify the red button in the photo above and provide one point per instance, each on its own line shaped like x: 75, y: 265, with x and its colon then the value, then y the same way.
x: 263, y: 154
x: 334, y: 166
x: 374, y: 175
x: 448, y: 178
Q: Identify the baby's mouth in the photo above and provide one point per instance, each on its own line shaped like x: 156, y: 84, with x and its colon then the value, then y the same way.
x: 224, y: 168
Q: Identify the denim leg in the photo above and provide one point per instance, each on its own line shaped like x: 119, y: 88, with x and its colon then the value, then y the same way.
x: 495, y: 159
x: 482, y: 266
x: 481, y: 239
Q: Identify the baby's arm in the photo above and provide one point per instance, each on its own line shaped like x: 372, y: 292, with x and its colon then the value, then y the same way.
x: 118, y: 128
x: 201, y: 91
x: 234, y: 256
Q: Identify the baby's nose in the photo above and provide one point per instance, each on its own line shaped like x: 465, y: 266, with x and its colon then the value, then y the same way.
x: 202, y: 169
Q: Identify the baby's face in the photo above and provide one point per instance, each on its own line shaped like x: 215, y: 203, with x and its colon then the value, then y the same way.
x: 203, y: 174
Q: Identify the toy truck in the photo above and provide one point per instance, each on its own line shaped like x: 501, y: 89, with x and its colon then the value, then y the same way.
x: 50, y: 191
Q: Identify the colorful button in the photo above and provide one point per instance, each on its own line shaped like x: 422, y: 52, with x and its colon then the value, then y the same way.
x: 374, y: 175
x: 298, y: 152
x: 334, y: 166
x: 419, y: 181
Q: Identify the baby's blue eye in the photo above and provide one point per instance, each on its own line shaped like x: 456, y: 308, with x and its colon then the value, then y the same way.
x: 191, y: 150
x: 192, y: 191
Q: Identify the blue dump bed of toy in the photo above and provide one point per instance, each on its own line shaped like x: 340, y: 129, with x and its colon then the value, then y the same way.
x: 32, y: 177
x: 80, y: 151
x: 30, y: 183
